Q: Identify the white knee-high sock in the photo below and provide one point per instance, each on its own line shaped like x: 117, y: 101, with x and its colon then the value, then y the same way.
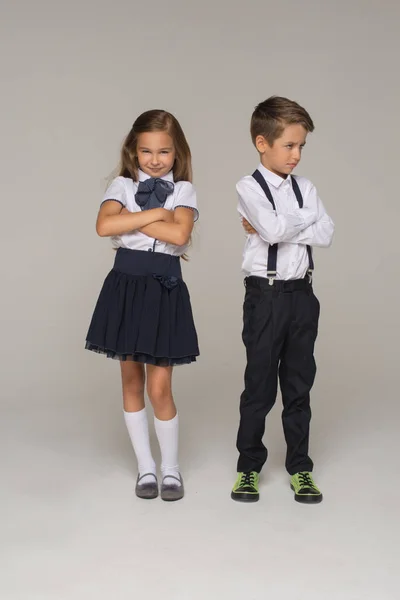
x: 168, y: 438
x: 138, y: 429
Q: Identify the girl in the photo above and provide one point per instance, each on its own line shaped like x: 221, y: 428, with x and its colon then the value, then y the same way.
x: 143, y: 316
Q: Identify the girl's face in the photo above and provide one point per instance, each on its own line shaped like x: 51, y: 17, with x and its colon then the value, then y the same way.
x: 155, y: 153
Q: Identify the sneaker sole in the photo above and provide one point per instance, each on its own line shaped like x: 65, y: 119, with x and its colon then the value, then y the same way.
x: 245, y: 497
x: 307, y: 499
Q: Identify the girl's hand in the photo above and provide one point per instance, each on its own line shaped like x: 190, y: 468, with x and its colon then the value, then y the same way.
x: 163, y: 214
x: 166, y: 215
x: 247, y: 227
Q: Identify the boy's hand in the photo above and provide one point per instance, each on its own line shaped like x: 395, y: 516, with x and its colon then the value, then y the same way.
x: 247, y: 227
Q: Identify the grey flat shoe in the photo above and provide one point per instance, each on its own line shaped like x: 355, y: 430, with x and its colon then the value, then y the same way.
x: 148, y: 490
x: 171, y: 492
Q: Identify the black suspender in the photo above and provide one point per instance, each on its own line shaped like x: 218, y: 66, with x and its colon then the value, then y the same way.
x: 273, y: 249
x: 261, y: 181
x: 299, y: 197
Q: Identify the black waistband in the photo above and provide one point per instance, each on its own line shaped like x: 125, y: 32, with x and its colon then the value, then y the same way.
x: 140, y: 262
x: 291, y: 285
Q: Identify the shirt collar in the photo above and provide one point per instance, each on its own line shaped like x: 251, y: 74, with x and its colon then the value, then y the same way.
x: 272, y: 178
x: 168, y: 177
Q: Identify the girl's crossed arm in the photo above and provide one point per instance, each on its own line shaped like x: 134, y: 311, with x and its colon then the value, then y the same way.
x: 111, y: 220
x: 175, y: 229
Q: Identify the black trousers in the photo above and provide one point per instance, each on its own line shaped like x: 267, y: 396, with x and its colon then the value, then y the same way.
x: 280, y: 326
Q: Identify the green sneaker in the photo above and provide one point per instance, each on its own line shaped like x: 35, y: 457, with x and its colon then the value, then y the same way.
x: 246, y: 487
x: 304, y: 488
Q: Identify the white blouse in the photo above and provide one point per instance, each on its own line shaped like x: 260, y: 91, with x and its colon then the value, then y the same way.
x: 123, y: 190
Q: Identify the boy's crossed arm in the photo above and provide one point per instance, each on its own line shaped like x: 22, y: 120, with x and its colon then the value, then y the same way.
x: 258, y: 212
x: 247, y: 227
x: 314, y: 229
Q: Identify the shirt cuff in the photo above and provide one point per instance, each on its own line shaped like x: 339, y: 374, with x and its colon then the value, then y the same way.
x: 196, y: 212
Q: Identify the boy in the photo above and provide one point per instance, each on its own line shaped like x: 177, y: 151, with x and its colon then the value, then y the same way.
x: 284, y: 218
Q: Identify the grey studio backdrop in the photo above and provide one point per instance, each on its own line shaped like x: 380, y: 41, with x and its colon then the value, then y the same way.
x: 74, y: 77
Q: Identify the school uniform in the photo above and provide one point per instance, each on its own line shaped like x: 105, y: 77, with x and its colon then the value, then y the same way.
x: 143, y: 312
x: 280, y: 312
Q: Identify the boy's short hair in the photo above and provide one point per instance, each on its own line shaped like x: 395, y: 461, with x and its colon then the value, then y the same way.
x: 271, y: 117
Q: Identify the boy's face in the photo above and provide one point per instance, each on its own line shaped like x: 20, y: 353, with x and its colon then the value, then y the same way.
x: 285, y: 153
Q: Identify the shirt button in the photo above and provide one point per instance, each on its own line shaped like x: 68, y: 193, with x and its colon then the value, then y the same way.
x: 150, y: 250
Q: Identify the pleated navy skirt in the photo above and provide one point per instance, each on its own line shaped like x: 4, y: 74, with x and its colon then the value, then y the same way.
x: 143, y: 312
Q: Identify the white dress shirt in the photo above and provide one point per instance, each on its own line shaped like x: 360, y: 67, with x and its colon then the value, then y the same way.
x: 123, y: 190
x: 291, y: 227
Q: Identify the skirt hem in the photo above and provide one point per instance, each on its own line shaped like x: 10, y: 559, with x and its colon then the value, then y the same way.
x: 141, y: 357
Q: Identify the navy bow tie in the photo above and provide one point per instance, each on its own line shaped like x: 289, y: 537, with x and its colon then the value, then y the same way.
x: 153, y: 193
